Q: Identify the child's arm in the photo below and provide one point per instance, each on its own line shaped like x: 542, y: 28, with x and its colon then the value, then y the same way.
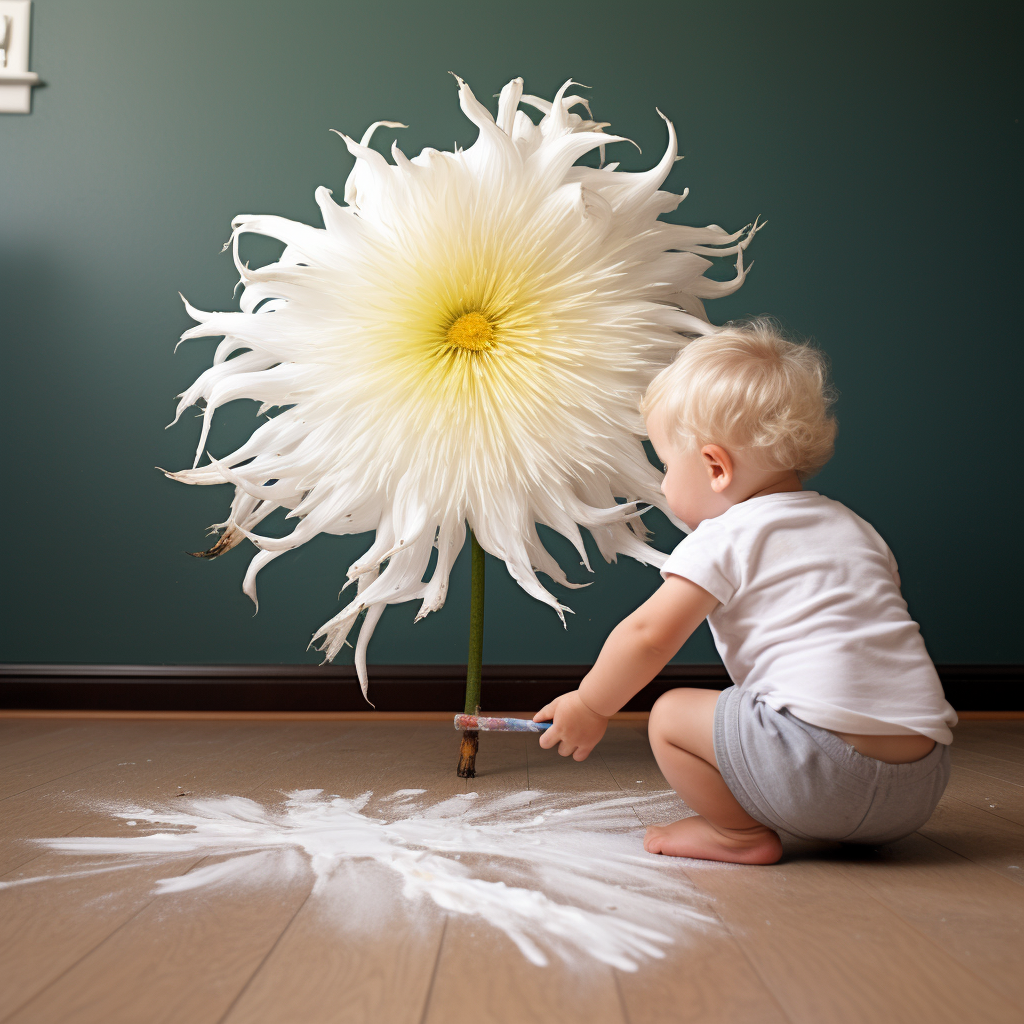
x: 635, y: 652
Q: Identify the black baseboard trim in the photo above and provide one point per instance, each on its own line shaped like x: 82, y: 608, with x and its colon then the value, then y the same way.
x: 392, y: 687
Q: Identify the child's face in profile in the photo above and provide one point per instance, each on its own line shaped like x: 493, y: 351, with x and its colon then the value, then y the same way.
x: 687, y: 485
x: 702, y: 484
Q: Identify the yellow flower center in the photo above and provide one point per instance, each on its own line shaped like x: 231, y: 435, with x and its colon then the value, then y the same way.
x: 471, y: 331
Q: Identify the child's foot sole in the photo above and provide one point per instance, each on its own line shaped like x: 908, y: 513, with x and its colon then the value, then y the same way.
x: 697, y: 837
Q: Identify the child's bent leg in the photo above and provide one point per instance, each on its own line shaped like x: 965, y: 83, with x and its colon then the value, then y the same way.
x: 682, y: 738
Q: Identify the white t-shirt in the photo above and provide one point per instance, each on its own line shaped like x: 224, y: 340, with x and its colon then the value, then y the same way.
x: 811, y: 618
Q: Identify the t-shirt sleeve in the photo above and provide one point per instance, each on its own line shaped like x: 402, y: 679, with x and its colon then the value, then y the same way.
x: 893, y: 567
x: 706, y: 558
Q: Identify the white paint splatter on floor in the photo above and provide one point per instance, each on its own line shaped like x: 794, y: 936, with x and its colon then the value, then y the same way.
x: 561, y: 874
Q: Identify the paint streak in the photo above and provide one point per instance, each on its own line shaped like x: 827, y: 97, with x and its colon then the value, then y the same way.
x: 558, y: 874
x: 485, y: 724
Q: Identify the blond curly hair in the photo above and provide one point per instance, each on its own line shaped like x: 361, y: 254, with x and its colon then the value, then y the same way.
x: 748, y: 388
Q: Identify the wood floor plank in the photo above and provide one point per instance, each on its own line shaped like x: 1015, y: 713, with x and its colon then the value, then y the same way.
x: 990, y: 746
x: 38, y: 943
x: 502, y: 765
x: 840, y: 957
x: 507, y: 988
x: 708, y: 980
x: 95, y: 744
x: 998, y: 768
x: 59, y: 806
x: 171, y: 758
x: 115, y: 743
x: 534, y: 993
x: 984, y: 838
x: 282, y: 757
x: 549, y: 771
x: 47, y: 928
x: 1001, y: 732
x: 14, y: 728
x: 626, y: 753
x: 337, y: 963
x: 993, y: 795
x: 538, y: 994
x: 335, y: 966
x: 190, y: 953
x: 971, y: 913
x: 30, y: 743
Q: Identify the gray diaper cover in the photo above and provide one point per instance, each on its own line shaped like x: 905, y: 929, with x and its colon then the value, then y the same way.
x: 804, y: 780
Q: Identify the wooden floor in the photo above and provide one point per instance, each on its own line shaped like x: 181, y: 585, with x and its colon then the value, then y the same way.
x: 928, y: 930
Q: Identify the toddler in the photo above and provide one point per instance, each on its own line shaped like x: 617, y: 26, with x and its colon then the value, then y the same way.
x: 836, y: 726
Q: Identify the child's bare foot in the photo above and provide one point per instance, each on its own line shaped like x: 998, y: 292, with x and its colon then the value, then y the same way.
x: 697, y: 837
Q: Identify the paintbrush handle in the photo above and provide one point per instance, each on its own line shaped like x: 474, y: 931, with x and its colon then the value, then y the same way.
x: 499, y: 724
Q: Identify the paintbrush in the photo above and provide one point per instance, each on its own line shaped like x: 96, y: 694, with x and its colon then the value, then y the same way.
x: 499, y: 724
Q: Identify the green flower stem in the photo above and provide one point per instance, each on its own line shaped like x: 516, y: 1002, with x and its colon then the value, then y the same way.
x: 476, y: 629
x: 470, y: 737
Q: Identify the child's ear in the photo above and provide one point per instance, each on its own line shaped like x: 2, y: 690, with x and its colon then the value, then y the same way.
x: 718, y: 464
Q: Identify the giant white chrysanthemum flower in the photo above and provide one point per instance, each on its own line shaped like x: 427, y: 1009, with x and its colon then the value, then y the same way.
x: 467, y: 340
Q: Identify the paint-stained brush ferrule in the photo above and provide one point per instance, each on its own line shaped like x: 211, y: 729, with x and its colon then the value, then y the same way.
x: 499, y: 724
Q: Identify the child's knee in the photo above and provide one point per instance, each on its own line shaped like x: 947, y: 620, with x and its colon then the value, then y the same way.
x: 666, y: 709
x: 683, y: 717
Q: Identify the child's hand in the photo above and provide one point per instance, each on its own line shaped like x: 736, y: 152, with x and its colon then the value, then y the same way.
x: 576, y: 729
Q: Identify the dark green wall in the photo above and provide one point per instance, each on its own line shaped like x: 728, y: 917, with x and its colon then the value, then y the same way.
x: 876, y: 140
